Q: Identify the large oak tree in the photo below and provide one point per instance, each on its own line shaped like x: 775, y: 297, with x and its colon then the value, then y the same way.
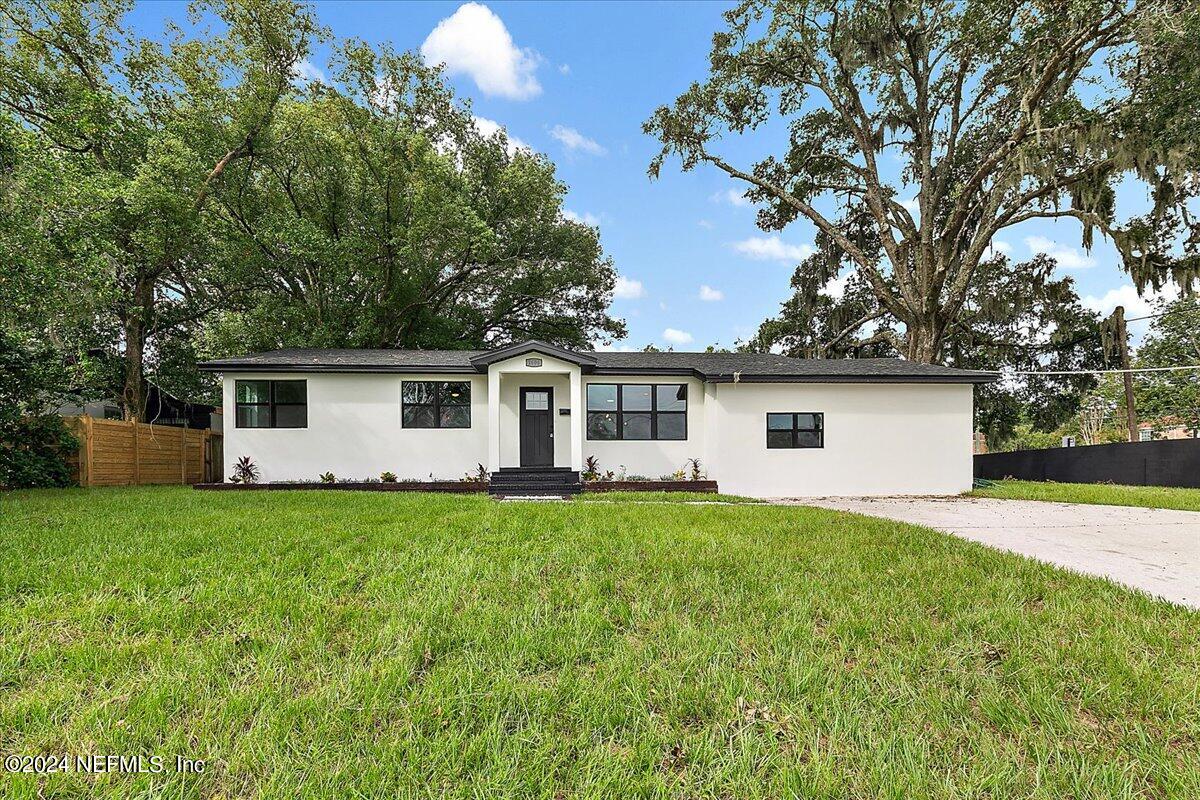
x: 986, y: 113
x: 121, y: 140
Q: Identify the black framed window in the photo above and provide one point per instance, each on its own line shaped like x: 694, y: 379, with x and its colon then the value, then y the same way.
x: 795, y: 431
x: 271, y: 404
x: 633, y: 411
x: 435, y: 404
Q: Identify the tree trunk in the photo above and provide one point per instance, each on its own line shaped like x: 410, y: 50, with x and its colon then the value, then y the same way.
x: 924, y: 340
x: 135, y: 327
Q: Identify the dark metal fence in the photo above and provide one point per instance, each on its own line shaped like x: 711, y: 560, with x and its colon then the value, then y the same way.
x: 1173, y: 462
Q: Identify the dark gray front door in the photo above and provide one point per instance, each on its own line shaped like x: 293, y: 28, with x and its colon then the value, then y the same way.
x: 537, y: 427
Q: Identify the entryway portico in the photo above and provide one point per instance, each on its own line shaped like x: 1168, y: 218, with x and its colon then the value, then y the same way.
x: 535, y: 406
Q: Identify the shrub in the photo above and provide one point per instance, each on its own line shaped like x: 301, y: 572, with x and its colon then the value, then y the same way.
x: 387, y: 477
x: 34, y: 445
x: 327, y: 477
x: 696, y: 473
x: 244, y: 471
x: 591, y: 469
x: 480, y: 475
x: 33, y: 452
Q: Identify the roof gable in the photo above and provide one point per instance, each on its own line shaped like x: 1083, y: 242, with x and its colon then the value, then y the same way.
x: 533, y: 346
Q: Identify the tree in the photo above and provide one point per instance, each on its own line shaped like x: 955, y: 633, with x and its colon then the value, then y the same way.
x: 989, y: 112
x: 122, y: 141
x: 1017, y: 317
x: 377, y: 215
x: 1172, y: 341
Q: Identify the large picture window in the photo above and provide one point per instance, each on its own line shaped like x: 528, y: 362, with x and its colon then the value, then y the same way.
x: 435, y: 404
x: 634, y: 411
x: 271, y: 404
x: 795, y: 431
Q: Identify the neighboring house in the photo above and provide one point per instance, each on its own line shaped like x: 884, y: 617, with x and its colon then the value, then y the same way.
x: 761, y: 424
x: 1165, y: 428
x: 161, y: 409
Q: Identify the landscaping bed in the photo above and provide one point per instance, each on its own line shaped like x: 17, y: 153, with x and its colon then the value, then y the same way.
x: 703, y: 487
x: 450, y: 487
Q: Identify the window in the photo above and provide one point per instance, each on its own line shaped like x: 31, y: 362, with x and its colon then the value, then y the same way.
x: 435, y: 404
x: 793, y: 431
x: 636, y: 411
x: 271, y: 404
x: 1146, y: 435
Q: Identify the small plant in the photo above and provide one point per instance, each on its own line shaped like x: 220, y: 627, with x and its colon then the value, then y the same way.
x: 480, y: 475
x: 677, y: 475
x: 696, y: 471
x: 327, y: 477
x: 387, y: 477
x: 591, y: 469
x: 244, y: 471
x: 371, y: 480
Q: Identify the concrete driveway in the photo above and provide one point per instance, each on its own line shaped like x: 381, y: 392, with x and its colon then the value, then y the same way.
x: 1156, y: 550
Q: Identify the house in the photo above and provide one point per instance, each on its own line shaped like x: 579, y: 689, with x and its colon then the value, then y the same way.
x: 162, y: 408
x: 761, y: 424
x: 1170, y: 427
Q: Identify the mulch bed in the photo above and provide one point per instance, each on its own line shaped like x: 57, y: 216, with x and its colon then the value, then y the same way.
x: 452, y: 487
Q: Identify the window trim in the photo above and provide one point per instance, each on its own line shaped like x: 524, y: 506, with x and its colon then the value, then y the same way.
x: 620, y: 412
x: 270, y: 405
x: 436, y: 405
x: 795, y: 430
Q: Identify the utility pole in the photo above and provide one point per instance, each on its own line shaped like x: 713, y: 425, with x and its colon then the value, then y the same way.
x: 1123, y: 350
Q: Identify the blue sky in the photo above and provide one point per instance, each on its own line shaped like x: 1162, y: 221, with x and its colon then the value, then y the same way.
x: 575, y: 81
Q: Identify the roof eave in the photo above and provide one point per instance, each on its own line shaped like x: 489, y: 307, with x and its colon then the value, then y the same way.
x: 405, y: 369
x: 950, y: 379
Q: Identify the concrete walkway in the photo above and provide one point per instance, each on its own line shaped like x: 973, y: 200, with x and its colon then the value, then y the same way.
x: 1156, y: 550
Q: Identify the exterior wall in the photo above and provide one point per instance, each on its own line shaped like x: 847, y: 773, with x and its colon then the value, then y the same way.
x: 652, y: 458
x: 354, y: 432
x: 880, y: 439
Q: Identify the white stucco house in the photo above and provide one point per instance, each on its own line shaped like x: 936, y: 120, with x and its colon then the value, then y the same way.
x: 762, y: 425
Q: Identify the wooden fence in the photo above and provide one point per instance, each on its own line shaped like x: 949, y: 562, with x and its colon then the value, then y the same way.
x: 119, y: 453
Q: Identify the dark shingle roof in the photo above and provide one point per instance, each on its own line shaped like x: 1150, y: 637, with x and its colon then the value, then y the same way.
x: 713, y: 367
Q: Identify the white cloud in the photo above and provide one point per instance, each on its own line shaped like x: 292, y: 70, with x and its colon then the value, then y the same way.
x: 836, y: 286
x: 628, y: 288
x: 586, y: 218
x: 565, y: 69
x: 1135, y: 305
x: 703, y: 223
x: 731, y: 196
x: 306, y: 72
x: 489, y: 127
x: 1067, y: 257
x: 674, y: 336
x: 473, y: 41
x: 711, y: 295
x: 772, y: 248
x: 574, y: 140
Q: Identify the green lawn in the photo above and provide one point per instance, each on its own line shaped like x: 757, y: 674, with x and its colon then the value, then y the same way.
x: 345, y: 644
x: 1095, y: 493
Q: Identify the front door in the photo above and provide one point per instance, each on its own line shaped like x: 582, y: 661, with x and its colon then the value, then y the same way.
x: 537, y: 427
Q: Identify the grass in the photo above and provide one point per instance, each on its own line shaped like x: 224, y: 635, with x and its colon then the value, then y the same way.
x: 1095, y: 494
x: 344, y: 644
